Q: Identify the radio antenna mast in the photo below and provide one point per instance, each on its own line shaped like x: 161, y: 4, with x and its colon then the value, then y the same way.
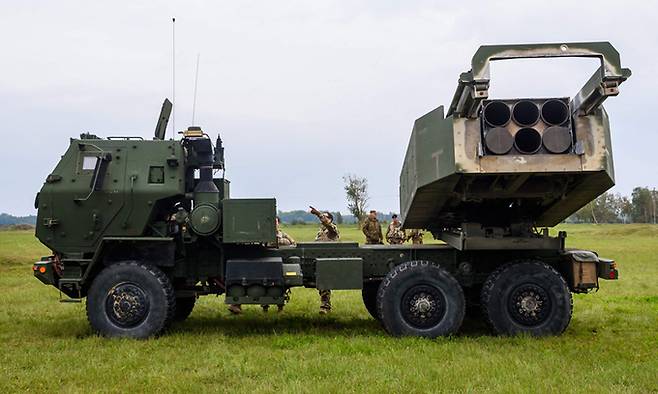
x: 173, y: 77
x: 196, y: 80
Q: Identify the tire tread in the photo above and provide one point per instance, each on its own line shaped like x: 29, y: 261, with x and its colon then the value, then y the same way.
x: 163, y: 280
x: 489, y: 284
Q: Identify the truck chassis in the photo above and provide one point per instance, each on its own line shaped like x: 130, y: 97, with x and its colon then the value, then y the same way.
x: 419, y: 290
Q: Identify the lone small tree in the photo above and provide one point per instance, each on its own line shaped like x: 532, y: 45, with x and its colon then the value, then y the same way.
x: 356, y: 190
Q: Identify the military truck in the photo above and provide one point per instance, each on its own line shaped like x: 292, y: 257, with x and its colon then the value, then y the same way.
x: 142, y: 228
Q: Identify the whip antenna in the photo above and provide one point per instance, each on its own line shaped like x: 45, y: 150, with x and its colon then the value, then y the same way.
x: 196, y: 80
x: 173, y: 77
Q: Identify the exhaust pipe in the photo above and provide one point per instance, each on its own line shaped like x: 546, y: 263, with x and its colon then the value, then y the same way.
x: 527, y: 141
x: 554, y: 112
x: 557, y: 139
x: 499, y: 141
x: 496, y: 114
x: 525, y: 113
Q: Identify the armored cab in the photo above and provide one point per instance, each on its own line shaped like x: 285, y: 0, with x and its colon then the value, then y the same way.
x: 507, y: 166
x: 130, y: 199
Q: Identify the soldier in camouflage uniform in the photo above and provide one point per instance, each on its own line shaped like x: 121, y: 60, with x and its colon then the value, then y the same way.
x: 395, y: 235
x: 372, y: 229
x: 416, y: 237
x: 328, y: 233
x: 282, y: 239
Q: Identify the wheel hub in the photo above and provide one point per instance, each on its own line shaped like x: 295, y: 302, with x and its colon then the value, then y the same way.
x: 127, y: 304
x: 423, y: 306
x: 529, y: 304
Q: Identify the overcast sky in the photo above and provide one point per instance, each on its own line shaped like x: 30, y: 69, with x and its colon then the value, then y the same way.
x: 303, y: 92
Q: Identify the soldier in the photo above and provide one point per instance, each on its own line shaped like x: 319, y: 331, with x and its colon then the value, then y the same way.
x: 416, y: 236
x: 235, y: 309
x: 328, y: 233
x: 372, y: 229
x: 282, y: 239
x: 395, y: 235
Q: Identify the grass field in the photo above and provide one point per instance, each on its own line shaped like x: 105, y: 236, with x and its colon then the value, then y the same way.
x: 610, y: 346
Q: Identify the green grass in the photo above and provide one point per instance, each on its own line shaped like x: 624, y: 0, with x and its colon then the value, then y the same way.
x: 610, y: 346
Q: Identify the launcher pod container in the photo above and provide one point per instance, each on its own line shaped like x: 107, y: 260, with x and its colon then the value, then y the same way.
x: 495, y: 169
x: 142, y: 228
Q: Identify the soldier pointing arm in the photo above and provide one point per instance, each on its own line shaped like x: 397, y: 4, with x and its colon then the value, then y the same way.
x: 328, y: 232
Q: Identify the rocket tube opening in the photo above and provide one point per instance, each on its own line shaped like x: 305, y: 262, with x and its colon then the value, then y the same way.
x: 554, y: 112
x: 496, y: 113
x: 527, y: 141
x: 525, y: 113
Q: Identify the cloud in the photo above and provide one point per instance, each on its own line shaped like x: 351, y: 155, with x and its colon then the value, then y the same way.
x: 303, y: 92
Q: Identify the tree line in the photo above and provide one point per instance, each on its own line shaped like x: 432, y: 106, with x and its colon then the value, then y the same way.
x: 639, y: 207
x: 10, y: 220
x: 304, y: 217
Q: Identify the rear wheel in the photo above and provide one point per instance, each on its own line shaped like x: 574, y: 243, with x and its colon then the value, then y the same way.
x: 369, y: 295
x: 184, y: 307
x: 130, y: 299
x: 527, y: 298
x: 419, y: 298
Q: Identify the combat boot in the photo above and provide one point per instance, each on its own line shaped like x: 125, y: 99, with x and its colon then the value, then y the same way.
x: 235, y: 309
x: 325, y: 301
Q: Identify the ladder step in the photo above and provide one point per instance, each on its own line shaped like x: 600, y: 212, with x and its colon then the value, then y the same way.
x: 70, y: 300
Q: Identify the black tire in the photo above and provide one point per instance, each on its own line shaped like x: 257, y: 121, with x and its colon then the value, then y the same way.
x: 527, y: 297
x: 369, y: 295
x: 130, y: 299
x: 184, y: 307
x: 419, y: 298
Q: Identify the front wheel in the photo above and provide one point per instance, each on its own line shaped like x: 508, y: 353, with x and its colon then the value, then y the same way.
x: 130, y: 299
x: 527, y: 298
x: 419, y: 298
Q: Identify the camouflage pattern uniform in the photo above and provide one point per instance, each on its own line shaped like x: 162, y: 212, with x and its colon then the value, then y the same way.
x: 416, y: 236
x: 328, y: 233
x: 395, y: 235
x: 283, y: 239
x: 373, y: 231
